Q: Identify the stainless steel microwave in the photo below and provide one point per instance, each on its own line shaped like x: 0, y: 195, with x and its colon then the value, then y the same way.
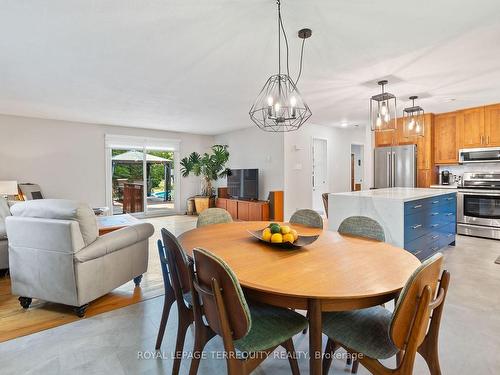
x: 479, y: 155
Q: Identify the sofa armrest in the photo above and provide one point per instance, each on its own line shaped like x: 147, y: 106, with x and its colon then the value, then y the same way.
x: 114, y: 241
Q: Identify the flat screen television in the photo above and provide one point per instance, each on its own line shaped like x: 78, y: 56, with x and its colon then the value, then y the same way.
x: 243, y: 183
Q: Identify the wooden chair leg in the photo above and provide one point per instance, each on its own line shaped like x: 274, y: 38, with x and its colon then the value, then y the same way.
x: 328, y: 358
x: 167, y: 304
x: 355, y: 365
x: 179, y: 344
x: 305, y: 329
x: 399, y: 358
x: 429, y: 351
x: 290, y: 349
x: 202, y: 335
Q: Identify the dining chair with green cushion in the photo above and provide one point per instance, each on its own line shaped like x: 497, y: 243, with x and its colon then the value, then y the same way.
x: 308, y: 218
x: 213, y: 216
x: 250, y: 332
x: 362, y: 226
x: 175, y: 269
x: 376, y: 333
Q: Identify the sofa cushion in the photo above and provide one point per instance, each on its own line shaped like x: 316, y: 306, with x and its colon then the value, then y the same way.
x: 61, y: 209
x: 4, y: 212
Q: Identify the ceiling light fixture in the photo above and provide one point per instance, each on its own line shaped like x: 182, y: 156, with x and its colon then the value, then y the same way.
x: 383, y: 110
x: 279, y: 107
x: 413, y: 119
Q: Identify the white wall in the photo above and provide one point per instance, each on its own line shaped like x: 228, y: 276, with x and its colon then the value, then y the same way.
x: 254, y: 148
x: 67, y: 159
x: 298, y: 162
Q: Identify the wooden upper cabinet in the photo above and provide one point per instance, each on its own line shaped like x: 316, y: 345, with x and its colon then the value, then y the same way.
x: 471, y: 131
x: 384, y: 138
x: 424, y: 144
x: 492, y: 125
x: 445, y: 127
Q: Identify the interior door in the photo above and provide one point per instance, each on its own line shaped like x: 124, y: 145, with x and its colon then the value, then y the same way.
x: 352, y: 172
x: 320, y: 172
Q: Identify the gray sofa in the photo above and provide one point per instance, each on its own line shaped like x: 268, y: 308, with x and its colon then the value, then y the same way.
x: 56, y: 254
x: 4, y: 246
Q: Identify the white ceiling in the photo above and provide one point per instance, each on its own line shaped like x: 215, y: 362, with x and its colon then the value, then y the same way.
x: 196, y: 66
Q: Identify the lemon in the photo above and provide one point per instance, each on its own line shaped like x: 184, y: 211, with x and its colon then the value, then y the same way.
x: 277, y: 238
x: 295, y: 234
x: 285, y: 229
x: 266, y: 234
x: 288, y: 238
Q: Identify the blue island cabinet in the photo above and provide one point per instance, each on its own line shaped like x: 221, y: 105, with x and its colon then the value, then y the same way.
x: 430, y: 224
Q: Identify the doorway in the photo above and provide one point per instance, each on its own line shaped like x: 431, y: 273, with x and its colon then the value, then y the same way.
x: 320, y: 182
x: 357, y: 167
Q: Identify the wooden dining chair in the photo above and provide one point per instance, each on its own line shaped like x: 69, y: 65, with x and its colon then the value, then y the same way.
x: 375, y: 333
x: 169, y: 298
x: 249, y: 333
x: 213, y: 216
x: 324, y: 196
x: 362, y: 226
x: 177, y: 267
x: 308, y: 218
x: 366, y: 227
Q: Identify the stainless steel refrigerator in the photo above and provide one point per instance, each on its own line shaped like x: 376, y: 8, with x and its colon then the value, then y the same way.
x: 395, y: 166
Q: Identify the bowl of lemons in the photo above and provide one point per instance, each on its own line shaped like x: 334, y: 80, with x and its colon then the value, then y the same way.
x: 282, y: 236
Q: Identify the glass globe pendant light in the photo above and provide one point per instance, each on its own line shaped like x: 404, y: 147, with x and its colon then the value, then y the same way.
x: 383, y: 110
x: 279, y: 107
x: 413, y: 120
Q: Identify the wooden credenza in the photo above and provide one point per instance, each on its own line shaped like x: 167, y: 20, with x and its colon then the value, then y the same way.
x: 245, y: 210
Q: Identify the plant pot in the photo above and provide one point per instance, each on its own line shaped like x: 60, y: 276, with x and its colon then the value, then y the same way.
x: 202, y: 203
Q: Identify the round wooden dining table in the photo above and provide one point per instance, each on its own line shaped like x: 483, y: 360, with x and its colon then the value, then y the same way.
x: 335, y: 273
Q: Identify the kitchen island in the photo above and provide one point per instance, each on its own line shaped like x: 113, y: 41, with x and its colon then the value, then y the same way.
x: 421, y: 221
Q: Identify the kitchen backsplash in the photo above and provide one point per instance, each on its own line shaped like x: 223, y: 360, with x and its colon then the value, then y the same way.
x: 458, y: 170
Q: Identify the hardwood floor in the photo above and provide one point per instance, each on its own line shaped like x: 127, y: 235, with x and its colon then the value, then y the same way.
x: 16, y: 322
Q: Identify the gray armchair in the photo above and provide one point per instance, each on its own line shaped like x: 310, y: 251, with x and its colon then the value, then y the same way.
x: 56, y: 254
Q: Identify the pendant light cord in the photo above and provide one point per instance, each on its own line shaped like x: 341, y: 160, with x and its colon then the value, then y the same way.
x: 301, y: 56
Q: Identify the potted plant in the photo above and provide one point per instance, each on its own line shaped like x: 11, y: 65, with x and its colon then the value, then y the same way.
x: 210, y: 167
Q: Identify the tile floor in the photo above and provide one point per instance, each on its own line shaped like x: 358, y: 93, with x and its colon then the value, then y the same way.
x: 112, y: 343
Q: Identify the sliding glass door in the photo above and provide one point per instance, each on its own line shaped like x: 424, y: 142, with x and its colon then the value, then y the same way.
x: 141, y: 176
x: 159, y: 181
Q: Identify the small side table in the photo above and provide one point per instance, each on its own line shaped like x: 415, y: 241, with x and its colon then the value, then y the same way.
x: 108, y: 224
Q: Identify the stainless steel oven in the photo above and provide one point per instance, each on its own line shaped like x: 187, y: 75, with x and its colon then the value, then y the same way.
x: 478, y: 205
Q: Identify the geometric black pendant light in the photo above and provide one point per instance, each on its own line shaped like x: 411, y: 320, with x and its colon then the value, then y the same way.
x: 279, y: 107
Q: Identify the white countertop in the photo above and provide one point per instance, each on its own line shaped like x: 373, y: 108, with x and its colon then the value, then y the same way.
x: 455, y: 187
x: 399, y: 194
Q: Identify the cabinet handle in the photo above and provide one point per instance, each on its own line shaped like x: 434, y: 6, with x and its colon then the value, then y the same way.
x: 416, y: 226
x: 434, y: 213
x: 482, y: 139
x: 435, y: 202
x: 417, y: 252
x: 435, y: 248
x: 449, y: 214
x: 488, y: 140
x: 436, y: 236
x: 450, y: 234
x: 449, y: 198
x: 417, y: 206
x: 434, y: 225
